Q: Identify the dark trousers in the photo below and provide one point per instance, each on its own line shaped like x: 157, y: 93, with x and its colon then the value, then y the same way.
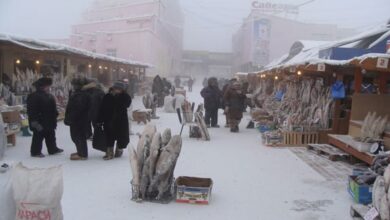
x: 79, y: 138
x: 211, y: 115
x: 37, y: 139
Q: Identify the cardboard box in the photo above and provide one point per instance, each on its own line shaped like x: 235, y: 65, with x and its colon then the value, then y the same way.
x: 11, y: 116
x: 362, y: 194
x: 193, y: 190
x: 142, y: 116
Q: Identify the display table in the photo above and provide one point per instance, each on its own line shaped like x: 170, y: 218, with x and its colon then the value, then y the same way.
x: 347, y: 144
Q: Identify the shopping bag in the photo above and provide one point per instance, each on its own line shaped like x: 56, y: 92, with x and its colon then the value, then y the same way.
x: 338, y: 90
x: 99, y: 140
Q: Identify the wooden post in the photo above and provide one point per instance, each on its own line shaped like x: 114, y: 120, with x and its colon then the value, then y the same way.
x: 383, y: 77
x: 358, y: 80
x: 1, y: 65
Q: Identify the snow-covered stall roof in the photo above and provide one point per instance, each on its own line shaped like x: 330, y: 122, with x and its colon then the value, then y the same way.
x: 49, y: 46
x: 309, y: 53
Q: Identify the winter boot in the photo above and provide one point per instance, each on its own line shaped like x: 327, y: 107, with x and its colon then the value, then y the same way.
x: 250, y: 125
x: 109, y: 154
x: 75, y: 156
x: 118, y: 152
x: 234, y: 129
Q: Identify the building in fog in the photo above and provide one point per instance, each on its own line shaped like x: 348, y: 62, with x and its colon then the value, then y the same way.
x: 264, y: 37
x: 149, y: 31
x: 205, y: 63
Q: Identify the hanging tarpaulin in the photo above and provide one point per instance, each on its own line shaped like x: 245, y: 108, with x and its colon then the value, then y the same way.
x: 388, y: 47
x: 279, y: 95
x: 338, y: 90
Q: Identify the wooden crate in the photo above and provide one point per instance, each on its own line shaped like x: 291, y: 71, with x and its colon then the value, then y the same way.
x: 300, y: 138
x: 332, y: 153
x: 180, y: 92
x: 142, y: 116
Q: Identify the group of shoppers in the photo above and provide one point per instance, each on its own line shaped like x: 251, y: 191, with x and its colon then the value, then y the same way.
x: 87, y: 106
x: 231, y: 99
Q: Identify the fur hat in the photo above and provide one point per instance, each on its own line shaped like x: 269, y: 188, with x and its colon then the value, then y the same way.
x: 212, y: 81
x: 43, y: 82
x: 79, y: 81
x: 120, y: 85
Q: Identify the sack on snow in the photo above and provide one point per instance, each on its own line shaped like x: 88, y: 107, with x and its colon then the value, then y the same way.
x: 7, y: 207
x: 37, y: 193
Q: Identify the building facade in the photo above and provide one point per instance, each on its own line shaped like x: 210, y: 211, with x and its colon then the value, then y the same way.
x: 206, y: 63
x: 149, y: 31
x: 264, y: 37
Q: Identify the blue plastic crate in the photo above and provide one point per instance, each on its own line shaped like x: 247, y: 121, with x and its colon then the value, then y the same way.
x: 361, y: 194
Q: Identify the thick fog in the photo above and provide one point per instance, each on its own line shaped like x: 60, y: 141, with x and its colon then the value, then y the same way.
x: 209, y: 24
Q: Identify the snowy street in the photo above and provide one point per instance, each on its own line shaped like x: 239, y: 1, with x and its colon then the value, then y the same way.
x: 251, y: 181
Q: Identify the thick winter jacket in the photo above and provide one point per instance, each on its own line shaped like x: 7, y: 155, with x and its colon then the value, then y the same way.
x: 212, y: 97
x: 77, y: 109
x: 158, y: 86
x: 235, y: 101
x: 113, y: 115
x: 96, y: 95
x: 42, y: 111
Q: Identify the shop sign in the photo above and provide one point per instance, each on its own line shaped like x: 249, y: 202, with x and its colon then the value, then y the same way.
x: 382, y: 63
x: 275, y: 8
x: 321, y: 67
x: 371, y: 214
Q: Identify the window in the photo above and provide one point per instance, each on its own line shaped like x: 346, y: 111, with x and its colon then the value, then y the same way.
x: 111, y: 52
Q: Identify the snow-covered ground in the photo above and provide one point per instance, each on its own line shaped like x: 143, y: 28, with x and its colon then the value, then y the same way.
x: 251, y: 181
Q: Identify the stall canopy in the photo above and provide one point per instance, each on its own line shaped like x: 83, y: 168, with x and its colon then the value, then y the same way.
x: 365, y: 45
x: 49, y: 46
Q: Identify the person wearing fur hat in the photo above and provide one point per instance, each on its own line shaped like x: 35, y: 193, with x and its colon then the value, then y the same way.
x: 212, y: 102
x: 76, y: 117
x: 96, y: 94
x: 42, y: 115
x: 234, y: 100
x: 113, y: 117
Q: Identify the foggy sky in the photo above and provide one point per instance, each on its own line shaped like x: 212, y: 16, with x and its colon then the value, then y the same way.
x: 209, y: 24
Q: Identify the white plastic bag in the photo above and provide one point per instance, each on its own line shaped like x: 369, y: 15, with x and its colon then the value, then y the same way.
x: 7, y: 204
x: 180, y: 99
x: 169, y: 104
x: 37, y: 193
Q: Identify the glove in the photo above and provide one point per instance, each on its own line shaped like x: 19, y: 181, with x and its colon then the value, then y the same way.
x: 35, y: 125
